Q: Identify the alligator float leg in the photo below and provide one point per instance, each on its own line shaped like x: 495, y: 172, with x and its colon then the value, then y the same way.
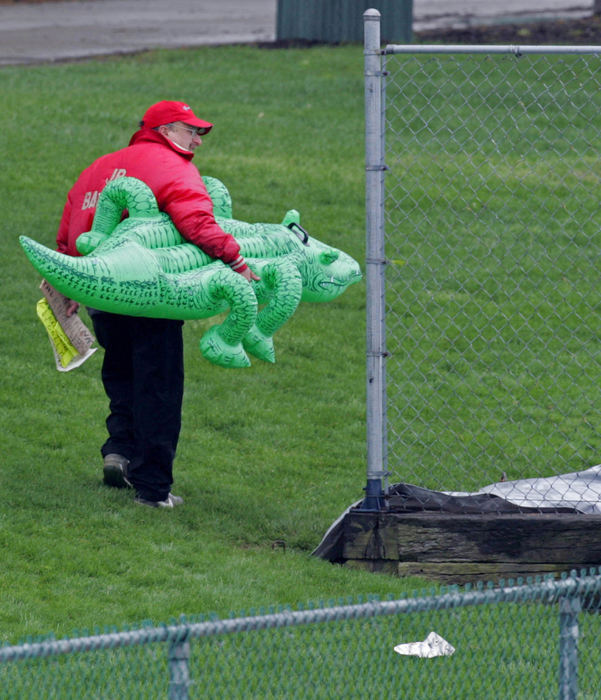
x: 222, y: 344
x: 282, y: 285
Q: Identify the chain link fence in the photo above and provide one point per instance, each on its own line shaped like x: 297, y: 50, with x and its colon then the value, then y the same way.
x: 492, y: 327
x: 532, y: 640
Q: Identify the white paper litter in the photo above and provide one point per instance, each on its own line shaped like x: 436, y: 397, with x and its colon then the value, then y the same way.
x: 433, y: 645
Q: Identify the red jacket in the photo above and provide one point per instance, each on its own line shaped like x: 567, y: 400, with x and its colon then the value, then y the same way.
x: 177, y: 186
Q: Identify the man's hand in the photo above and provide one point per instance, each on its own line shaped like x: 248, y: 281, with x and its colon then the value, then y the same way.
x: 72, y: 307
x: 249, y: 275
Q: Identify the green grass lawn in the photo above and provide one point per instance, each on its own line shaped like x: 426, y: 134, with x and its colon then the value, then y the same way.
x: 270, y: 456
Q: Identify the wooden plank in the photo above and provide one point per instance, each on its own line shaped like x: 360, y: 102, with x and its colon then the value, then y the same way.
x: 571, y: 541
x: 472, y: 572
x: 457, y: 573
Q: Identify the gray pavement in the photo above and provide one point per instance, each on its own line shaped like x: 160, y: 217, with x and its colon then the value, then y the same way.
x: 56, y: 31
x: 52, y: 31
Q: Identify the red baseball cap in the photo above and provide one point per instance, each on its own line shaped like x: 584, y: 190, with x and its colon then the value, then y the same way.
x: 167, y: 111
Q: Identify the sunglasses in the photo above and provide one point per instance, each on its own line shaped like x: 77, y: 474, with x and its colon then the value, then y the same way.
x: 194, y: 130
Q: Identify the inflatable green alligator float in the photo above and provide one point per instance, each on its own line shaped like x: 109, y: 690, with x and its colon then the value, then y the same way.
x: 141, y: 266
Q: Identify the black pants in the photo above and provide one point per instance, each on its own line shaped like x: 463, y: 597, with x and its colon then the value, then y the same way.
x: 143, y: 376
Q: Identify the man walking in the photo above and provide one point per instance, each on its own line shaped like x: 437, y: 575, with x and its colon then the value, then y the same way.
x: 142, y: 371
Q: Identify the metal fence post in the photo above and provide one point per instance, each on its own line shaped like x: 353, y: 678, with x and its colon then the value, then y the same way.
x: 179, y: 673
x: 569, y: 609
x: 374, y: 266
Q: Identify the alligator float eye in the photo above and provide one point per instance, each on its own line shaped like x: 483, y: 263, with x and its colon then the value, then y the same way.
x: 328, y: 257
x: 300, y: 232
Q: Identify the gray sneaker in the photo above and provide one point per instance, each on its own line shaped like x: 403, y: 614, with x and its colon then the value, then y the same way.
x: 115, y: 471
x: 170, y: 502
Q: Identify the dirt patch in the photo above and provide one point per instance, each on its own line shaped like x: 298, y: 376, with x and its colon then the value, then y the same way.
x: 575, y: 32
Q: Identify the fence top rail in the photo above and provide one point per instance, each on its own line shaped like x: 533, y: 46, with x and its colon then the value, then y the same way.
x: 488, y: 48
x: 546, y: 591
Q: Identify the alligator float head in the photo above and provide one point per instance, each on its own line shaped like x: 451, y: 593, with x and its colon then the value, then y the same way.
x: 326, y: 272
x: 143, y: 267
